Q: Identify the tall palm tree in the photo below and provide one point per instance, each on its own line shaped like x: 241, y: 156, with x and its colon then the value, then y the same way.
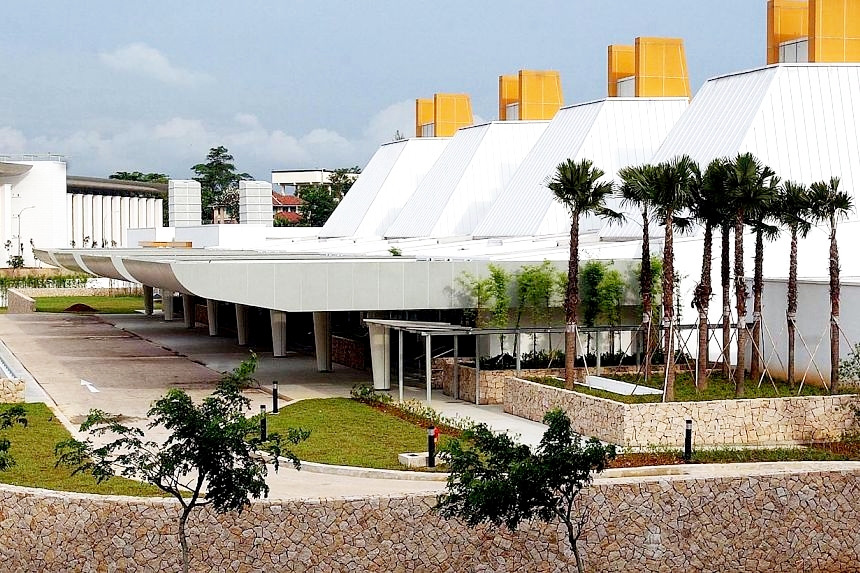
x: 671, y: 198
x: 830, y: 205
x: 708, y: 209
x: 637, y: 189
x: 748, y: 186
x: 759, y: 221
x: 577, y: 186
x: 794, y: 213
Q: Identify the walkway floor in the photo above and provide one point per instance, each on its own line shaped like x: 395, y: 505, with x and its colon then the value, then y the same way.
x: 122, y: 363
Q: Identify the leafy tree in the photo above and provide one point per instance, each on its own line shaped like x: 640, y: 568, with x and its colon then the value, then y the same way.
x: 749, y: 192
x: 494, y: 480
x: 8, y: 418
x: 341, y: 180
x: 829, y: 205
x: 478, y: 294
x: 610, y: 293
x: 590, y: 277
x: 208, y: 459
x: 535, y: 289
x: 577, y: 186
x: 794, y: 211
x: 138, y: 176
x: 319, y: 204
x: 219, y: 182
x: 500, y: 284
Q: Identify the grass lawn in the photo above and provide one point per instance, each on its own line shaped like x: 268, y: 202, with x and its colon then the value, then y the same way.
x: 685, y: 390
x: 347, y: 432
x: 99, y: 304
x: 33, y: 450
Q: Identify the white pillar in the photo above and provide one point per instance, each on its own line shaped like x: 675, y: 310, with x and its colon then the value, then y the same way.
x: 147, y: 300
x: 133, y: 214
x: 123, y: 221
x: 380, y: 357
x: 167, y: 304
x: 428, y: 366
x: 98, y: 231
x: 150, y: 213
x: 159, y: 217
x: 78, y: 220
x: 188, y: 310
x: 141, y: 212
x: 115, y: 228
x: 70, y: 213
x: 87, y: 202
x: 322, y: 340
x: 107, y: 226
x: 212, y: 316
x: 278, y: 320
x: 242, y: 329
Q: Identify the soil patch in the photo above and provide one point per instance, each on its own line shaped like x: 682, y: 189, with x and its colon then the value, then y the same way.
x: 80, y: 307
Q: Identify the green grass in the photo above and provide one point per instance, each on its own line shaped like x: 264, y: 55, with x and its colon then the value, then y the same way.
x: 732, y: 455
x: 33, y: 450
x: 347, y: 432
x: 101, y: 304
x: 685, y: 390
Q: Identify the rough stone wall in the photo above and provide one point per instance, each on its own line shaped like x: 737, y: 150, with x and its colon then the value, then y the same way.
x: 775, y: 522
x: 762, y: 421
x: 348, y: 352
x: 11, y: 391
x: 492, y: 381
x: 19, y: 303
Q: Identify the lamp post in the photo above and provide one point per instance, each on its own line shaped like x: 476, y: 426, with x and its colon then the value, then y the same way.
x: 21, y: 246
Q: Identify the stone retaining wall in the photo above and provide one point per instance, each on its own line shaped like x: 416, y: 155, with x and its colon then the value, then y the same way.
x: 348, y: 352
x: 776, y: 522
x: 17, y: 302
x: 762, y: 421
x: 20, y: 300
x: 11, y: 391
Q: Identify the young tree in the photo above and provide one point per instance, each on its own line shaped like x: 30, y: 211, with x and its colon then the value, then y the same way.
x: 8, y: 418
x: 219, y: 182
x: 577, y: 186
x: 590, y: 277
x: 500, y: 284
x: 535, y: 288
x: 494, y: 480
x: 611, y: 295
x: 795, y: 213
x: 209, y: 458
x: 319, y: 204
x: 829, y: 205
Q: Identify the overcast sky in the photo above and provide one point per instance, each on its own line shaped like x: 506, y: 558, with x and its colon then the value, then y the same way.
x: 151, y: 86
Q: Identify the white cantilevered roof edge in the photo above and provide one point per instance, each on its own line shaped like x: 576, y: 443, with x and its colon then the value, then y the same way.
x: 612, y: 133
x: 458, y: 190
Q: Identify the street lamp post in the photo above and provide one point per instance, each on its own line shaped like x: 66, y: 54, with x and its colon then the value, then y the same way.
x: 20, y: 245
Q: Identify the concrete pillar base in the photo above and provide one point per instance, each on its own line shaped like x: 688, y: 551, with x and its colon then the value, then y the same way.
x: 212, y: 315
x: 278, y: 319
x: 322, y: 340
x: 167, y: 305
x: 380, y: 357
x: 147, y: 300
x: 242, y: 329
x: 188, y: 310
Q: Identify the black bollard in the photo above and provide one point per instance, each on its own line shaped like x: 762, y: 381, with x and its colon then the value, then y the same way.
x: 264, y: 435
x: 274, y: 396
x: 431, y: 447
x: 688, y: 441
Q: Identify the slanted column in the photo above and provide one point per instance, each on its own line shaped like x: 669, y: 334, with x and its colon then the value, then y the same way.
x: 188, y: 310
x: 322, y: 340
x: 212, y: 316
x: 242, y: 329
x: 147, y: 300
x: 278, y: 318
x: 167, y: 304
x: 380, y: 358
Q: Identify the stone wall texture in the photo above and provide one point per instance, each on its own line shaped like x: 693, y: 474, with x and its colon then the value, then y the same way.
x: 349, y: 352
x: 775, y: 522
x: 20, y: 300
x: 19, y: 303
x: 763, y: 421
x: 11, y: 391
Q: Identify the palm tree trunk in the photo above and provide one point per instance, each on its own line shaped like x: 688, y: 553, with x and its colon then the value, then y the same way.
x: 758, y: 287
x: 703, y: 298
x: 791, y: 303
x: 741, y: 302
x: 725, y: 277
x: 645, y: 287
x: 834, y: 308
x: 668, y: 309
x: 571, y: 304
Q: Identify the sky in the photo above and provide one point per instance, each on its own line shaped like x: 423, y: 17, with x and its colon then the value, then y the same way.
x: 288, y: 84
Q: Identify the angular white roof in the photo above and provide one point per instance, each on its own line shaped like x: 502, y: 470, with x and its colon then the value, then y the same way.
x: 460, y: 188
x: 803, y: 120
x: 612, y: 133
x: 385, y: 185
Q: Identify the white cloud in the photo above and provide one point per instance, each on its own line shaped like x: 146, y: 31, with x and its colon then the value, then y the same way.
x: 12, y: 141
x: 397, y: 117
x: 142, y: 59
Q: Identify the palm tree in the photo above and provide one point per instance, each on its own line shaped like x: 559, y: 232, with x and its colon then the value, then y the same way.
x: 794, y: 212
x: 671, y: 196
x: 576, y: 185
x: 830, y: 205
x: 708, y: 208
x: 637, y: 188
x: 763, y: 230
x: 748, y: 187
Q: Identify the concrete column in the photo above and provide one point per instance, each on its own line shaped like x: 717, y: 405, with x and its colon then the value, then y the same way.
x: 278, y: 319
x: 77, y: 221
x: 70, y: 210
x: 188, y: 310
x: 87, y: 203
x: 428, y: 365
x: 133, y: 214
x: 115, y: 227
x: 167, y: 304
x: 98, y: 231
x: 123, y: 221
x: 147, y: 300
x: 159, y: 213
x: 380, y: 358
x: 242, y: 328
x: 322, y: 340
x: 212, y: 315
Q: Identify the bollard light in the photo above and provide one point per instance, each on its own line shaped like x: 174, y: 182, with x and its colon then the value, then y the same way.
x: 431, y: 447
x: 688, y: 441
x: 274, y: 396
x: 263, y: 430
